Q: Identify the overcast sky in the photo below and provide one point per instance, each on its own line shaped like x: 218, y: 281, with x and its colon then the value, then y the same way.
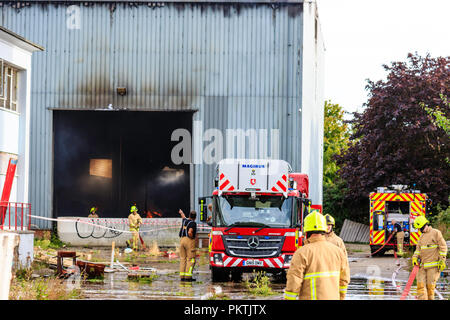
x: 362, y: 35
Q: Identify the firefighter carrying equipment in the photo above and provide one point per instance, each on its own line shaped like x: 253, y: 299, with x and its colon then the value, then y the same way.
x: 431, y: 251
x: 330, y: 220
x: 419, y: 222
x: 315, y: 221
x: 318, y: 271
x: 135, y: 220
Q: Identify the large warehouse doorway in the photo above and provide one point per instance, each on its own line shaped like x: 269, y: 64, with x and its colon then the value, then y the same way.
x: 116, y: 159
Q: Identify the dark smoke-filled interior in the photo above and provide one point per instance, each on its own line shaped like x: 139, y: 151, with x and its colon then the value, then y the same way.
x: 113, y: 160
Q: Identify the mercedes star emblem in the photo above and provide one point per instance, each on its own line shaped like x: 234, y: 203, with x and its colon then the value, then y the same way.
x: 253, y: 242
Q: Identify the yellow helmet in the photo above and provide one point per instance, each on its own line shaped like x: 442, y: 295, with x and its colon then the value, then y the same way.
x: 330, y: 219
x: 315, y: 221
x: 419, y: 222
x: 93, y: 209
x: 133, y: 208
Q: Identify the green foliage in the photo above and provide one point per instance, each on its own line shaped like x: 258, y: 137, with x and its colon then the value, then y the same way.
x: 146, y: 279
x: 334, y: 204
x: 438, y: 117
x: 440, y: 219
x: 336, y: 137
x: 395, y: 140
x: 259, y: 286
x: 53, y: 243
x: 41, y: 289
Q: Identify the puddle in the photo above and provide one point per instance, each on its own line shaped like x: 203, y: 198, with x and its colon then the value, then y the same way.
x: 168, y: 287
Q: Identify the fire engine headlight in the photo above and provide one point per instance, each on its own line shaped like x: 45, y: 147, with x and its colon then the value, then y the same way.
x: 287, y: 259
x: 218, y: 258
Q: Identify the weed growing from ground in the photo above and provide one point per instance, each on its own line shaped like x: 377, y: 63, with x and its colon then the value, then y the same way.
x: 259, y: 286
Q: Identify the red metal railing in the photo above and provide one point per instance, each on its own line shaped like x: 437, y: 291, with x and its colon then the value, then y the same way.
x: 15, y: 216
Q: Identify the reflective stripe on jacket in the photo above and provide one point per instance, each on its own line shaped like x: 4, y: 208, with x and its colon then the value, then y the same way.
x: 318, y: 271
x: 431, y: 248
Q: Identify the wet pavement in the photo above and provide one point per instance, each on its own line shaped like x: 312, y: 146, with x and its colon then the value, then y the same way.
x: 167, y: 286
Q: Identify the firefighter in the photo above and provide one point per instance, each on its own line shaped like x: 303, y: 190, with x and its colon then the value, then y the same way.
x: 209, y: 218
x: 430, y: 256
x: 400, y: 235
x: 319, y: 270
x: 333, y: 237
x: 134, y: 220
x: 93, y: 213
x: 187, y: 234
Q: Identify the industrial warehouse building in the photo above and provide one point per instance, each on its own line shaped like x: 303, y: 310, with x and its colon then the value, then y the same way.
x: 120, y: 83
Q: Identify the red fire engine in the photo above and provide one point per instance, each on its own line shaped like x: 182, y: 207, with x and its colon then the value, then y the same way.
x: 257, y: 216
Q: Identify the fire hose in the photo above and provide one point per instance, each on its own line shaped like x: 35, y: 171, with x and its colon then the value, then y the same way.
x: 412, y: 276
x: 389, y: 238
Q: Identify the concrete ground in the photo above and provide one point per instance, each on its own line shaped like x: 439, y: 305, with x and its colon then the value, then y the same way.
x: 371, y: 277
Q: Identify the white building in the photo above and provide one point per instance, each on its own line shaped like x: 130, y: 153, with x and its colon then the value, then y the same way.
x: 15, y: 92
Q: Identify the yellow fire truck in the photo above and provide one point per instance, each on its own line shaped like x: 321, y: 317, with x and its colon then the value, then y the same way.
x: 395, y: 203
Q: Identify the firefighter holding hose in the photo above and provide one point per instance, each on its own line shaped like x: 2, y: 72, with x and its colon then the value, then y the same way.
x: 430, y: 256
x: 319, y: 270
x: 134, y: 220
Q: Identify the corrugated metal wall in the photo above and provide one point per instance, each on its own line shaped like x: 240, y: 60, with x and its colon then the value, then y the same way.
x: 239, y: 65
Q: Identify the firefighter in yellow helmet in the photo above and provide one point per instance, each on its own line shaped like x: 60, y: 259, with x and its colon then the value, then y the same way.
x: 319, y: 270
x: 430, y: 256
x: 333, y: 237
x: 93, y: 213
x: 134, y: 220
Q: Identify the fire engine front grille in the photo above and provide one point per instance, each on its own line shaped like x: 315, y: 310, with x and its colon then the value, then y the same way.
x: 253, y: 246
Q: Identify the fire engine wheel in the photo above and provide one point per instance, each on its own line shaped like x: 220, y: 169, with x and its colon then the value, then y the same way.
x: 219, y: 275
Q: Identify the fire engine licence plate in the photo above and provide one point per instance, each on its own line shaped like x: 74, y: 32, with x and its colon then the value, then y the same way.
x: 252, y: 263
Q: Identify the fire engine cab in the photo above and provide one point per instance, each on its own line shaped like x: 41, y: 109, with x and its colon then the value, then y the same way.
x: 397, y: 203
x: 257, y: 216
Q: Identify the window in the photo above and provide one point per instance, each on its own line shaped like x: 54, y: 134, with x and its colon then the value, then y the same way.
x: 8, y: 92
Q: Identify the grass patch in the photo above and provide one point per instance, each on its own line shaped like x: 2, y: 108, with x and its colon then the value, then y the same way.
x: 146, y: 279
x: 259, y: 286
x: 41, y: 289
x: 219, y: 297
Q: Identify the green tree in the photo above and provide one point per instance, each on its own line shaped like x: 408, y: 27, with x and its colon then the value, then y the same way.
x: 438, y: 118
x: 394, y: 140
x: 336, y: 137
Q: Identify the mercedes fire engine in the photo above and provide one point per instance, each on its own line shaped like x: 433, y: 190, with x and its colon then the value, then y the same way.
x: 257, y: 215
x: 395, y: 203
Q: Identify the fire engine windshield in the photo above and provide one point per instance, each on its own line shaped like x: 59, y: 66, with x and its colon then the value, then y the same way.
x: 264, y: 211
